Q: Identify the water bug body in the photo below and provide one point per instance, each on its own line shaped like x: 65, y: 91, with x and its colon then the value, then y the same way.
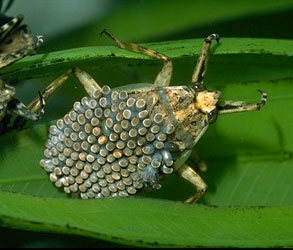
x: 117, y: 142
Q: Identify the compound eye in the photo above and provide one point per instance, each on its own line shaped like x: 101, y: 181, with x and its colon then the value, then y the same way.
x: 212, y: 116
x: 198, y: 87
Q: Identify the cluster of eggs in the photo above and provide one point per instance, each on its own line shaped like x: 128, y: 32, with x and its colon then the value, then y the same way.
x: 110, y: 144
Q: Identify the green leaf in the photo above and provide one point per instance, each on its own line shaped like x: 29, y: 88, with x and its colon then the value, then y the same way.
x: 152, y: 222
x: 249, y: 155
x: 101, y: 57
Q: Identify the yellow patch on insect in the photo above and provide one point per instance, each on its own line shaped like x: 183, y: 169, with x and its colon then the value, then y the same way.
x: 206, y: 101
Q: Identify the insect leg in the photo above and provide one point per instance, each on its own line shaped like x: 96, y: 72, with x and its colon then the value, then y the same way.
x: 190, y: 175
x: 202, y: 62
x: 235, y: 107
x: 18, y: 108
x: 89, y: 84
x: 9, y: 25
x: 200, y: 164
x: 36, y: 105
x: 35, y: 109
x: 164, y: 77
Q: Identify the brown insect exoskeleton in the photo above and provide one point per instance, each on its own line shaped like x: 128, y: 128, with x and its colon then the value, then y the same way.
x: 16, y: 42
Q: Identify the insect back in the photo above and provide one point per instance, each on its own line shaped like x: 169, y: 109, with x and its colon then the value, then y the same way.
x: 116, y: 143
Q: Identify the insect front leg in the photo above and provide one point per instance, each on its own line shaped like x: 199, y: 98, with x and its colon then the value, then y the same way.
x: 202, y: 62
x: 236, y: 106
x: 163, y: 79
x: 190, y: 175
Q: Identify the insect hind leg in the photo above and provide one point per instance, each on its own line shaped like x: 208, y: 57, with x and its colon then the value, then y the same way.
x: 190, y: 175
x: 89, y: 84
x: 163, y: 79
